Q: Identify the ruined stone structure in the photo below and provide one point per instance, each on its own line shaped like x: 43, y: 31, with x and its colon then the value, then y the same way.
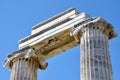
x: 59, y: 33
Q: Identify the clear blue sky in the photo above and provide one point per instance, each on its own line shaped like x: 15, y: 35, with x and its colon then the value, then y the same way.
x: 18, y: 16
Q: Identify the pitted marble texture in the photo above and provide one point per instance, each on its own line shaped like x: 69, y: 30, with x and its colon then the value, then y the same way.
x: 25, y: 53
x: 98, y: 23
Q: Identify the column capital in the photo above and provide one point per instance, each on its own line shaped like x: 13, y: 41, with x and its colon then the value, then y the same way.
x: 26, y: 53
x: 93, y: 23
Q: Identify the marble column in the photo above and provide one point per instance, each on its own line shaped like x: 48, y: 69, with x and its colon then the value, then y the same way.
x: 95, y: 61
x: 24, y: 64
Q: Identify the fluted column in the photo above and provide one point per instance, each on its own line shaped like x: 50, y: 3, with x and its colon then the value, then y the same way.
x: 24, y: 69
x: 95, y: 64
x: 94, y: 58
x: 24, y: 64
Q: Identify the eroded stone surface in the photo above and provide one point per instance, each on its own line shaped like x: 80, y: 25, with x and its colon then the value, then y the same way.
x: 60, y: 33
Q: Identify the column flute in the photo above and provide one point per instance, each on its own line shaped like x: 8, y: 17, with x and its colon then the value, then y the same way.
x: 94, y: 58
x: 24, y: 64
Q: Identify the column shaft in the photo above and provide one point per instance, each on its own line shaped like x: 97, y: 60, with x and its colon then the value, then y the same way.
x: 24, y: 69
x: 95, y: 57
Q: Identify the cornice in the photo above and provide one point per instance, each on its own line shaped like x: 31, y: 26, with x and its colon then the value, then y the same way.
x: 54, y: 17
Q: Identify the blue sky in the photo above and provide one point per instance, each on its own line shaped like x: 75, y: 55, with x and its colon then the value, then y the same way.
x: 18, y: 16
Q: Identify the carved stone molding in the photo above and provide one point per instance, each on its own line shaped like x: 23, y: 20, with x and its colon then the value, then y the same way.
x: 93, y: 23
x: 60, y: 33
x: 25, y: 53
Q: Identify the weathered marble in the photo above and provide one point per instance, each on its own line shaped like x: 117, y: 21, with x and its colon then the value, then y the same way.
x: 58, y: 34
x: 95, y: 61
x: 24, y: 64
x: 24, y: 69
x: 94, y: 58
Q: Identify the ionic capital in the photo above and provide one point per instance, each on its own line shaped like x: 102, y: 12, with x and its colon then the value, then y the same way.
x: 93, y: 23
x: 25, y: 53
